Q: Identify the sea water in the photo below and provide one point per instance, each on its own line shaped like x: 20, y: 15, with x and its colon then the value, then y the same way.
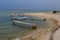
x: 7, y: 30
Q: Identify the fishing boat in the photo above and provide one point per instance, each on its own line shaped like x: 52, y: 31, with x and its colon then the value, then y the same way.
x: 24, y: 24
x: 18, y: 17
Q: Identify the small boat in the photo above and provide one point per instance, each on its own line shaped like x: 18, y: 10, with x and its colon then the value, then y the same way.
x: 24, y: 24
x: 18, y: 17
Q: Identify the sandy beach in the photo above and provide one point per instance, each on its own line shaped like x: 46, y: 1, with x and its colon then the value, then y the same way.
x: 46, y: 33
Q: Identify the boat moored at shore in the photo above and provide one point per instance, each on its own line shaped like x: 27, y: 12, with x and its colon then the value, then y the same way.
x: 24, y: 24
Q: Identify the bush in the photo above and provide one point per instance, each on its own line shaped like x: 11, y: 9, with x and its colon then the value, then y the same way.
x: 55, y: 11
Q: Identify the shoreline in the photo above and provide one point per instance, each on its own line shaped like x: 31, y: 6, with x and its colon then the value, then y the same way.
x: 48, y: 16
x: 44, y: 32
x: 39, y: 34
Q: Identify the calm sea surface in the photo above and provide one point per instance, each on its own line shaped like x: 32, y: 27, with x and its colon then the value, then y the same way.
x: 7, y: 30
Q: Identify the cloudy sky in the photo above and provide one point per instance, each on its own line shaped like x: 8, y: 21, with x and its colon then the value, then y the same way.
x: 30, y: 4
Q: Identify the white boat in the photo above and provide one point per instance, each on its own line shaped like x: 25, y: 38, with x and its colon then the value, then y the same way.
x: 18, y: 17
x: 24, y: 24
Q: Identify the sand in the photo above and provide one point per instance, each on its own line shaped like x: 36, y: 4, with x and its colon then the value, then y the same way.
x: 56, y: 35
x: 47, y: 35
